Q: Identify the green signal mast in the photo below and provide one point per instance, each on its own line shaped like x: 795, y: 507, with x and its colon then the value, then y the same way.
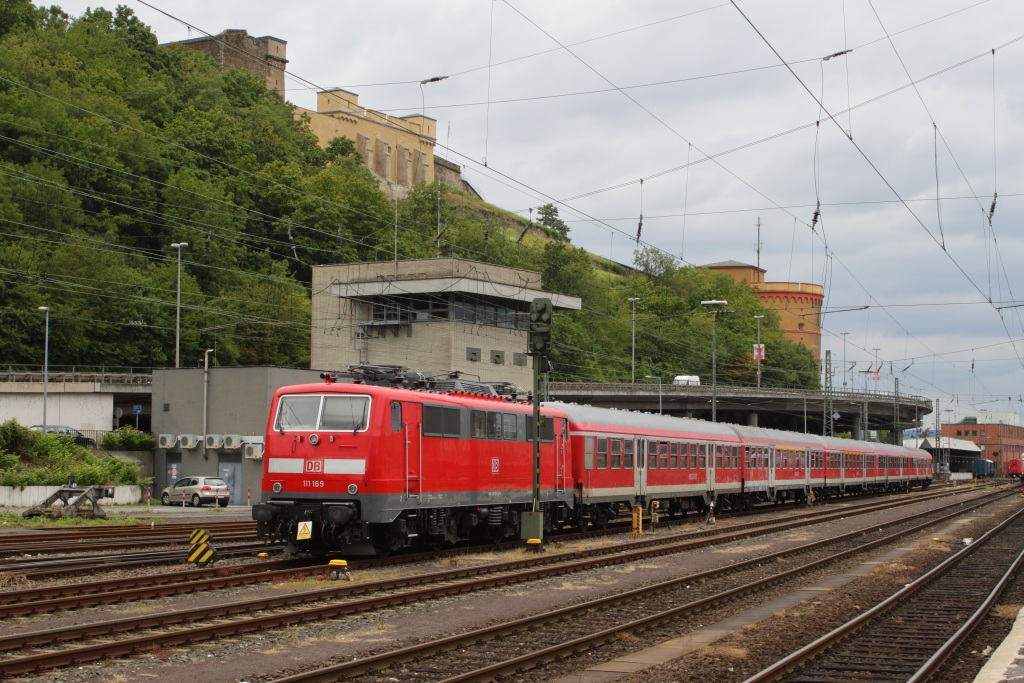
x: 538, y: 344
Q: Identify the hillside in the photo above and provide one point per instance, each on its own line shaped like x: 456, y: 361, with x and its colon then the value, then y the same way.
x: 114, y: 148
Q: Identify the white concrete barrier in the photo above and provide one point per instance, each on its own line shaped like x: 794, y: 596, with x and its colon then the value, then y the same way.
x: 14, y: 497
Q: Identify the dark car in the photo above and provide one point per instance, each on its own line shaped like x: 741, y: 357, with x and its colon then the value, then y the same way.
x: 62, y: 430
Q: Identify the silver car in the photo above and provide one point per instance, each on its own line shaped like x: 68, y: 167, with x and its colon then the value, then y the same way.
x: 197, y: 491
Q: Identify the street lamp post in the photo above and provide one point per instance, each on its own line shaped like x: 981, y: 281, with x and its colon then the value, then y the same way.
x: 716, y: 306
x: 46, y: 361
x: 659, y: 390
x: 844, y: 358
x: 632, y: 363
x: 758, y: 319
x: 177, y: 308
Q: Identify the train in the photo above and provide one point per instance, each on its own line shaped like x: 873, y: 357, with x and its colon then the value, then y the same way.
x: 346, y: 463
x: 984, y: 468
x: 1013, y: 470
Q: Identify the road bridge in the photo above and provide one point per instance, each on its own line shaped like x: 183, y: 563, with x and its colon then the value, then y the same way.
x: 799, y: 410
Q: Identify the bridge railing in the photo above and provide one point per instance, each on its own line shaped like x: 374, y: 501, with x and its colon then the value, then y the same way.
x: 61, y: 374
x: 652, y: 388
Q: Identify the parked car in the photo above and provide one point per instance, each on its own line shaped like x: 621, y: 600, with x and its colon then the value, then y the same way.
x: 197, y: 491
x: 62, y: 430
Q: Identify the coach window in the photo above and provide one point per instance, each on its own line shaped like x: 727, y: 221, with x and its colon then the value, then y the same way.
x: 652, y: 455
x: 588, y: 452
x: 494, y: 425
x: 616, y: 450
x: 396, y: 416
x: 478, y: 424
x: 602, y: 453
x: 694, y: 448
x: 508, y: 427
x: 673, y: 456
x: 627, y: 453
x: 663, y: 455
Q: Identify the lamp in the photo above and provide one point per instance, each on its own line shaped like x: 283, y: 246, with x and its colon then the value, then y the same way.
x: 758, y: 319
x: 46, y: 361
x: 716, y: 308
x: 177, y: 317
x: 632, y: 363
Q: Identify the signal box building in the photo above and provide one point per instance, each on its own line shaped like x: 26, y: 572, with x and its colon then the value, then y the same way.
x: 431, y: 315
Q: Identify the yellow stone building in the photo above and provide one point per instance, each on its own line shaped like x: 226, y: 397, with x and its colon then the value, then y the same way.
x: 797, y: 303
x: 399, y: 150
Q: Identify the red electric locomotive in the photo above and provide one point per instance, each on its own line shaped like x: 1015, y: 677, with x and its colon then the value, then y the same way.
x: 352, y: 462
x: 1013, y: 468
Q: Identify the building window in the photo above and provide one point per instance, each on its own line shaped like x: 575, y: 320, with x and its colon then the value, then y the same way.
x: 472, y: 354
x: 498, y: 357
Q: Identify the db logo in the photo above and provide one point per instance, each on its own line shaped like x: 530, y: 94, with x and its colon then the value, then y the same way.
x: 314, y: 467
x: 494, y: 465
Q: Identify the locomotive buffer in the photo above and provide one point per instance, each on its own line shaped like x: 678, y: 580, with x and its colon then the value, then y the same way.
x: 538, y: 344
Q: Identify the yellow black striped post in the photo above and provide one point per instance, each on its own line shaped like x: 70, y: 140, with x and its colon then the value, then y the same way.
x: 202, y: 553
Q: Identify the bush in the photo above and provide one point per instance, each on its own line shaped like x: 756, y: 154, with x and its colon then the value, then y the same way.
x: 128, y: 438
x: 29, y: 458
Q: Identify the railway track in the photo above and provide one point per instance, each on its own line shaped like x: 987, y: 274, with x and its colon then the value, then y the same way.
x: 906, y: 638
x: 128, y: 589
x: 508, y: 649
x: 67, y: 646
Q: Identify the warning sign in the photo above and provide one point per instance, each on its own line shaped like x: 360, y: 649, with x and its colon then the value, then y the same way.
x: 305, y: 531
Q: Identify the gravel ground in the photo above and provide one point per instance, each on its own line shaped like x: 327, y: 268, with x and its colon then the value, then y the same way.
x: 263, y: 656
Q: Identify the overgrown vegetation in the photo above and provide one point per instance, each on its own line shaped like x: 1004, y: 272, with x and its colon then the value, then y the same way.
x: 127, y: 438
x: 30, y: 458
x: 113, y: 147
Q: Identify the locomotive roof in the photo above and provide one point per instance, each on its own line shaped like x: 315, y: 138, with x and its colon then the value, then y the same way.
x: 482, y: 401
x: 581, y: 413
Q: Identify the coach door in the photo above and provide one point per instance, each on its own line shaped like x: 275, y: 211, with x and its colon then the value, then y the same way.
x: 412, y: 437
x: 640, y: 469
x: 560, y: 433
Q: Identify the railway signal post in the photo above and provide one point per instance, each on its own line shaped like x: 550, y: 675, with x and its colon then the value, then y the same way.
x: 538, y: 343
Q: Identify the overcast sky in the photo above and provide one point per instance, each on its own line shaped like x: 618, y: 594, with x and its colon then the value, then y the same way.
x: 576, y: 101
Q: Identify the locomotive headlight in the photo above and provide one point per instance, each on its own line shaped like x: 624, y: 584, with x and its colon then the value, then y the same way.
x: 314, y: 439
x: 353, y: 489
x: 277, y: 487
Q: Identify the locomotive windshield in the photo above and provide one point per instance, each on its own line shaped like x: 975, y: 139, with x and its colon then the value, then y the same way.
x: 328, y: 413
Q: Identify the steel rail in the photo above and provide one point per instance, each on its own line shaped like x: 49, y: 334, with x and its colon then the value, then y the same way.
x: 230, y: 625
x: 791, y: 663
x: 463, y: 641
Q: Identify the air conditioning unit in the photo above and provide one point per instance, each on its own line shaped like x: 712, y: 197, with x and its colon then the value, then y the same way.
x: 188, y: 440
x: 253, y: 451
x: 167, y: 440
x: 214, y: 441
x: 232, y: 441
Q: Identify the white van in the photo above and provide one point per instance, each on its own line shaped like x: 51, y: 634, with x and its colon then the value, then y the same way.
x: 686, y: 381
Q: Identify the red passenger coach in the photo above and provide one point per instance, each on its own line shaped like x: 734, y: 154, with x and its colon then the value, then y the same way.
x: 352, y: 462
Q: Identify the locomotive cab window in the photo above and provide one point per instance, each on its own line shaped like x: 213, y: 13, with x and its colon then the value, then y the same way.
x: 331, y: 413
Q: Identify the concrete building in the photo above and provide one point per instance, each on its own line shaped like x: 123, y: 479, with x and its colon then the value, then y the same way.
x: 433, y: 315
x: 798, y: 303
x: 211, y: 423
